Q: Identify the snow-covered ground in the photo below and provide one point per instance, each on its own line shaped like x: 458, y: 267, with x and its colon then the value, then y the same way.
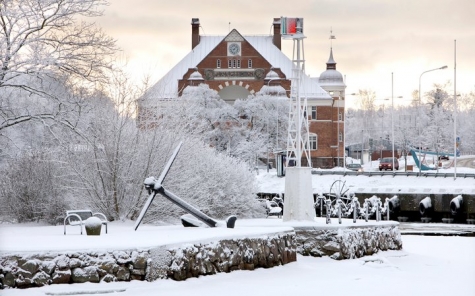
x: 427, y: 265
x: 38, y: 238
x: 270, y: 183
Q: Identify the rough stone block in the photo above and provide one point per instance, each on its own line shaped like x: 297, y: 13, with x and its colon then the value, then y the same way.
x: 41, y: 279
x: 123, y: 274
x: 86, y: 274
x: 61, y: 276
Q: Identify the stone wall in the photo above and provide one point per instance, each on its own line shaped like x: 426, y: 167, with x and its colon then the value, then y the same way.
x: 193, y: 260
x: 347, y: 243
x: 179, y: 263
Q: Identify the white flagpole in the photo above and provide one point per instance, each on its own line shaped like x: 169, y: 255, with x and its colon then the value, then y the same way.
x: 455, y: 109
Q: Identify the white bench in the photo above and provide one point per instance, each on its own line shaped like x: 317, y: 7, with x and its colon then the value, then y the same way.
x: 79, y: 217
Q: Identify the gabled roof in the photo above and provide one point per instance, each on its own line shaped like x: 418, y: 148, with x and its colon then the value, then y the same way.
x: 167, y: 87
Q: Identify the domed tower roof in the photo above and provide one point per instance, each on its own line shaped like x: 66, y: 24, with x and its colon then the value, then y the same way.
x: 331, y: 79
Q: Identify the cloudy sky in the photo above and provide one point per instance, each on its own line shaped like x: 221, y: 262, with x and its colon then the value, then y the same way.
x: 380, y: 45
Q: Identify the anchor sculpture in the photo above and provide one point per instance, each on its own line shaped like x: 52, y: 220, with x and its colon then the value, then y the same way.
x: 155, y: 186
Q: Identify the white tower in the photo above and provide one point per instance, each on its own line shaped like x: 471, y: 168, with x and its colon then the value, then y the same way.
x: 298, y: 199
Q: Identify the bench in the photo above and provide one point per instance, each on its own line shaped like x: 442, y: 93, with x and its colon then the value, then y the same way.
x: 79, y: 217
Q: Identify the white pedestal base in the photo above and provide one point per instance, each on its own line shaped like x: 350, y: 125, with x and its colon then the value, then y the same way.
x: 298, y: 198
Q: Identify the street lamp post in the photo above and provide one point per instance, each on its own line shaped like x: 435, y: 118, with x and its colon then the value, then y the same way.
x: 418, y: 103
x: 337, y: 128
x: 338, y: 131
x: 268, y: 92
x: 392, y: 117
x: 455, y: 109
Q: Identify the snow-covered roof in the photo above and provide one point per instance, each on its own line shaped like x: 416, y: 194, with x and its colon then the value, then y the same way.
x: 167, y: 87
x: 331, y: 77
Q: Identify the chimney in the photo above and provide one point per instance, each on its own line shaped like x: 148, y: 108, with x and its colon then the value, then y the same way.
x: 277, y: 38
x: 195, y: 32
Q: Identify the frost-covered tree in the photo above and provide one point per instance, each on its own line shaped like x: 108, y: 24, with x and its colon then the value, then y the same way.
x: 466, y: 122
x: 246, y: 130
x: 42, y: 44
x: 263, y: 126
x: 215, y: 183
x: 30, y: 189
x: 427, y: 124
x: 110, y: 163
x: 362, y: 122
x: 438, y: 132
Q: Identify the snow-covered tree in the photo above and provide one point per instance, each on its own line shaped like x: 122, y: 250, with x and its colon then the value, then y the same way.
x: 427, y: 124
x: 215, y: 183
x: 246, y: 130
x: 41, y: 42
x: 117, y: 156
x: 438, y: 132
x: 263, y: 127
x: 30, y: 189
x: 466, y: 122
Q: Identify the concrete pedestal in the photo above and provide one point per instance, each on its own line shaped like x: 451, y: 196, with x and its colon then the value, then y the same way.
x: 298, y: 199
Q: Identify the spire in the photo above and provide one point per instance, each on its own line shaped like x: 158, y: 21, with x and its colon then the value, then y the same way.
x: 331, y: 64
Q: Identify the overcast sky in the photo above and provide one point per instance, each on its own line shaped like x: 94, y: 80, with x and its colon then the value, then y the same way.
x: 374, y: 38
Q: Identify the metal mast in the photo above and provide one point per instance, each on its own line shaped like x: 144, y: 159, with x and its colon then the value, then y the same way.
x: 298, y: 147
x: 298, y: 201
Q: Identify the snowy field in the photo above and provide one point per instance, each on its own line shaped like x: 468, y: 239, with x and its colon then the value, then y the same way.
x: 427, y: 265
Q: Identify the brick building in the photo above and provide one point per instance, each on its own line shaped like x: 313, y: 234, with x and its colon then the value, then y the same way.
x: 237, y: 66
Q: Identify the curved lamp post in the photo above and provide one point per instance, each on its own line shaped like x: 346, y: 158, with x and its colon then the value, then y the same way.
x: 441, y: 68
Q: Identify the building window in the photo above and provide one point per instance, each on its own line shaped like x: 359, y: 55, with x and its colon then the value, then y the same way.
x: 313, y: 141
x: 230, y: 63
x: 234, y: 63
x: 340, y: 137
x: 249, y: 63
x: 314, y: 113
x: 239, y: 63
x: 218, y: 63
x: 340, y: 116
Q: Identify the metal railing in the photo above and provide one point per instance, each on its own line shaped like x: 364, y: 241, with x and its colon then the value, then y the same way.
x: 394, y: 174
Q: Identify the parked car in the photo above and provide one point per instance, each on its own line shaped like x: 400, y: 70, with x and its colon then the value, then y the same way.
x: 272, y: 208
x: 386, y: 163
x: 355, y: 167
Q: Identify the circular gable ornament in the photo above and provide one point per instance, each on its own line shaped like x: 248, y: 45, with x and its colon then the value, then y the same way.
x: 259, y: 73
x: 234, y: 48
